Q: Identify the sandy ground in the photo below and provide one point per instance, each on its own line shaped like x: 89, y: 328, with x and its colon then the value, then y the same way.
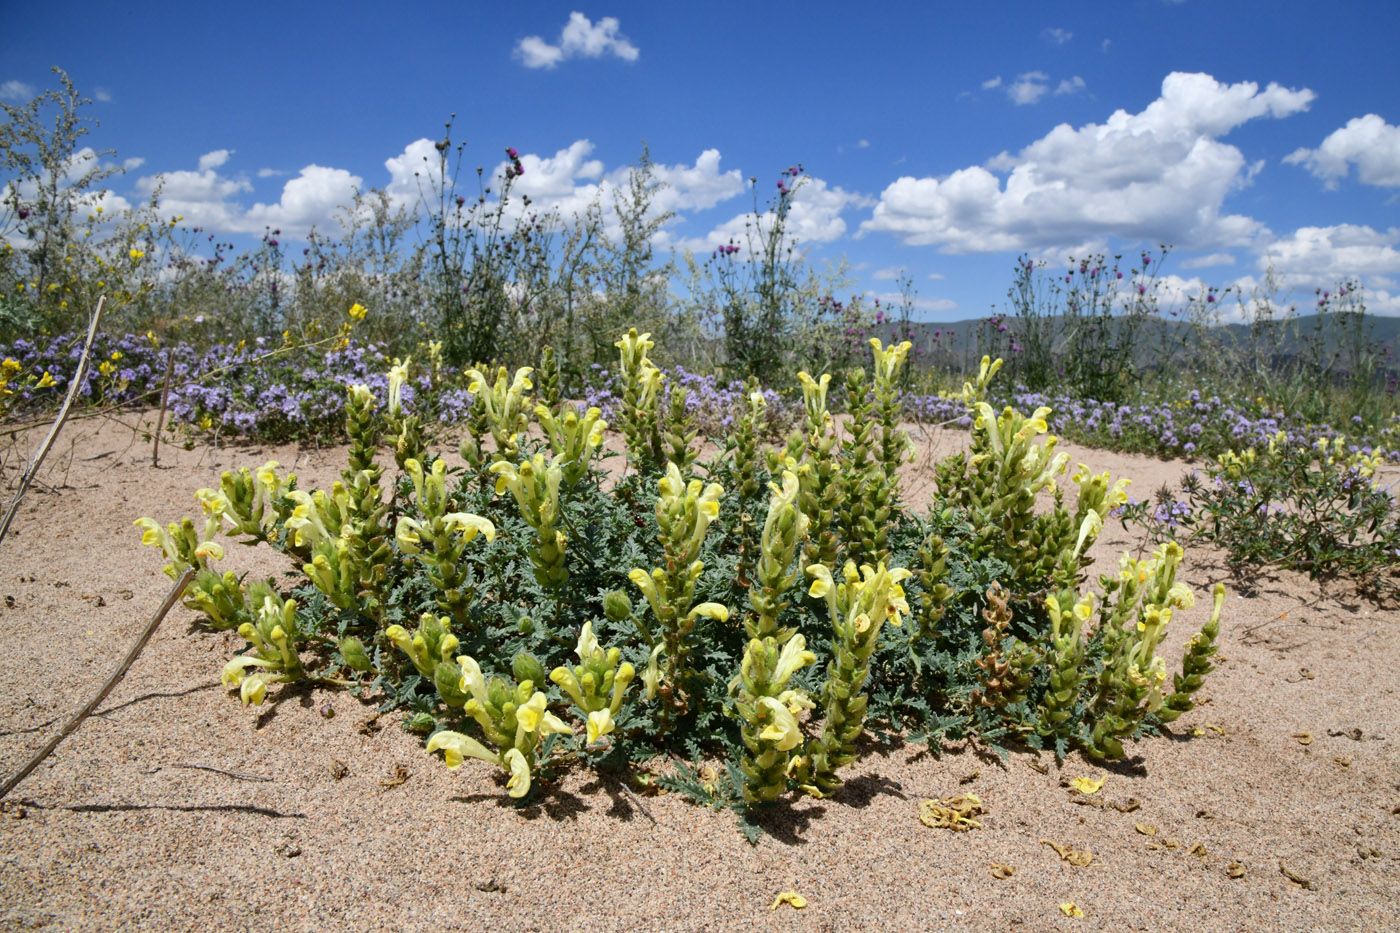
x: 116, y: 830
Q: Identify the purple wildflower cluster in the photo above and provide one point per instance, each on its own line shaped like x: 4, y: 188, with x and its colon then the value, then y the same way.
x: 1193, y: 427
x: 714, y: 405
x: 236, y: 389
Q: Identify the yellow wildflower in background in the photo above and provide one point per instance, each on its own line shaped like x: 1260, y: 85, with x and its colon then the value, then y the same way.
x: 358, y: 311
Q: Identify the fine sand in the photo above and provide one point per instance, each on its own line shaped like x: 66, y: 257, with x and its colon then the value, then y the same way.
x: 1290, y: 767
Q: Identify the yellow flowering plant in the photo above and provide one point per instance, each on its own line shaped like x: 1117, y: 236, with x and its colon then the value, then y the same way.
x: 457, y: 595
x: 684, y: 512
x: 514, y: 718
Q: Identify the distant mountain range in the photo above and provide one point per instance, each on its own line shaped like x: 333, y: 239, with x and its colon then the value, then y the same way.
x: 963, y: 342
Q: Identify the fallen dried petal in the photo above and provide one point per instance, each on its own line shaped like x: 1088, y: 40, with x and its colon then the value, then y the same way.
x: 1234, y: 870
x: 1198, y: 850
x: 1145, y: 829
x: 1087, y: 785
x: 1126, y: 806
x: 401, y: 774
x: 1204, y: 815
x: 789, y: 897
x: 1069, y: 909
x: 1304, y: 738
x: 1219, y: 730
x: 956, y: 813
x: 1294, y: 877
x: 1342, y: 760
x: 1002, y: 872
x: 1171, y: 843
x: 1035, y: 764
x: 1080, y: 858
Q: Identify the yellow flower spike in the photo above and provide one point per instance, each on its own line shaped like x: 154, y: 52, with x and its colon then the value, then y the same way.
x: 792, y: 898
x: 518, y: 785
x: 600, y: 723
x: 1087, y: 786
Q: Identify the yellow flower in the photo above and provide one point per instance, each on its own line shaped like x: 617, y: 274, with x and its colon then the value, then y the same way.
x: 457, y: 747
x: 135, y: 253
x: 782, y: 729
x: 600, y: 723
x: 358, y: 311
x: 519, y: 783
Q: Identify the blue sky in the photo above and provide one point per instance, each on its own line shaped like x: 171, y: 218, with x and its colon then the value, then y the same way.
x: 939, y: 139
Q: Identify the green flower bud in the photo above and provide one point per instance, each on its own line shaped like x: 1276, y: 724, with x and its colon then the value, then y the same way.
x: 525, y: 625
x: 616, y: 606
x: 526, y: 666
x: 447, y: 677
x: 422, y: 723
x: 353, y: 651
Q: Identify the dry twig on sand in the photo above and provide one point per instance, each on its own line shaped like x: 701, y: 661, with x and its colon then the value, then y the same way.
x: 77, y: 380
x: 117, y: 675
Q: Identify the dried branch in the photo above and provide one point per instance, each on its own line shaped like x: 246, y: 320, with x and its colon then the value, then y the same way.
x: 170, y: 599
x: 58, y: 422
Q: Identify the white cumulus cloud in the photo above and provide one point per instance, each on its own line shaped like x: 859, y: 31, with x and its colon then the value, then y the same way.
x: 207, y: 198
x: 1028, y: 88
x: 579, y: 38
x: 214, y: 159
x: 814, y: 216
x: 1209, y: 261
x: 16, y: 90
x: 1160, y: 175
x: 1335, y: 252
x: 1368, y: 142
x: 309, y: 200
